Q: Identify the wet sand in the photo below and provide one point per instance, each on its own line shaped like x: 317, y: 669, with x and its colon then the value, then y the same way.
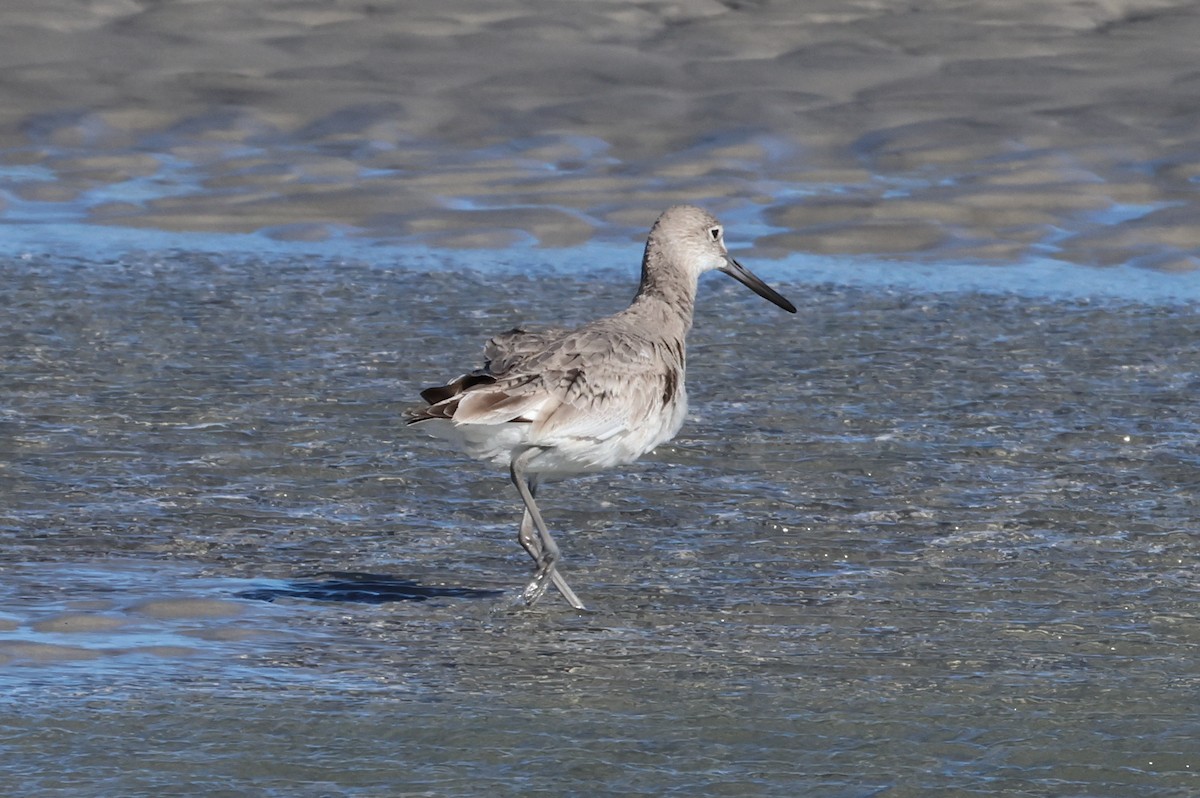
x: 906, y: 544
x: 943, y: 131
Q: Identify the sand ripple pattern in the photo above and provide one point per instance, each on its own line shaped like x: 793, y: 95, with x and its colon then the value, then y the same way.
x: 939, y: 130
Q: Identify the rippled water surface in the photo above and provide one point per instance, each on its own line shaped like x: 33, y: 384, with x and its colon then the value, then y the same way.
x: 933, y: 535
x: 906, y: 545
x: 933, y: 131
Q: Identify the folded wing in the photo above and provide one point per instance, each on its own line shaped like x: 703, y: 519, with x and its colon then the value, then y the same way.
x: 592, y: 383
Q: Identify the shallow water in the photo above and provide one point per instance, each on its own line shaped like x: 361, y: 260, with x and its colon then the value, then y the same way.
x: 936, y: 131
x: 935, y: 535
x: 907, y: 545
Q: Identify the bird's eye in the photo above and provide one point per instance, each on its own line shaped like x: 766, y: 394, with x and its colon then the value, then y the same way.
x: 714, y: 233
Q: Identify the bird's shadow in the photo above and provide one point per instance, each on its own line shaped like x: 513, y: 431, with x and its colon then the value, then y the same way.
x: 363, y: 588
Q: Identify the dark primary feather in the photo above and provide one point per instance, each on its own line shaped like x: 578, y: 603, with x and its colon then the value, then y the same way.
x: 440, y: 393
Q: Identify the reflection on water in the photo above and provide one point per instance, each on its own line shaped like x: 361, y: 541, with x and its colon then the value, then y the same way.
x: 946, y: 133
x: 363, y: 589
x: 908, y: 544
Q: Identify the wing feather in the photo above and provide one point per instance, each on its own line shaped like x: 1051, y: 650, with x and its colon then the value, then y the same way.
x: 593, y: 382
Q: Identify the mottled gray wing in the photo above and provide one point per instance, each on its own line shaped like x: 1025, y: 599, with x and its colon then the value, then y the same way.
x: 508, y: 350
x: 600, y: 382
x: 502, y: 353
x: 594, y: 382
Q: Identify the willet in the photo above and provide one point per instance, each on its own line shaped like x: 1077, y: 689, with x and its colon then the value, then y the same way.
x: 561, y: 402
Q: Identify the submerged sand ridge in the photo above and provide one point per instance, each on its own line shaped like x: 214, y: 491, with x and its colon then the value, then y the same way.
x: 949, y: 131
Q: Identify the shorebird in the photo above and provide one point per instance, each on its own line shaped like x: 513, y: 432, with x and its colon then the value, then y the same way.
x: 559, y: 402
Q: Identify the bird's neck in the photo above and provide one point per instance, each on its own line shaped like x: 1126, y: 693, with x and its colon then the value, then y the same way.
x: 666, y: 293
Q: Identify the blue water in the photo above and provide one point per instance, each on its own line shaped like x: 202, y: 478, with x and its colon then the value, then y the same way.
x: 1042, y: 277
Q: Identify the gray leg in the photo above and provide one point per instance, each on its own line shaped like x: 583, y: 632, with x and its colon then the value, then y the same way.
x: 541, y: 547
x: 533, y: 544
x: 528, y: 535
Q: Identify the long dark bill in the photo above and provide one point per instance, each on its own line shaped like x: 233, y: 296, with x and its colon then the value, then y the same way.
x: 746, y: 277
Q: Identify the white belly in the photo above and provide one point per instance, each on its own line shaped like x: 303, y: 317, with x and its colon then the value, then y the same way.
x: 564, y: 454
